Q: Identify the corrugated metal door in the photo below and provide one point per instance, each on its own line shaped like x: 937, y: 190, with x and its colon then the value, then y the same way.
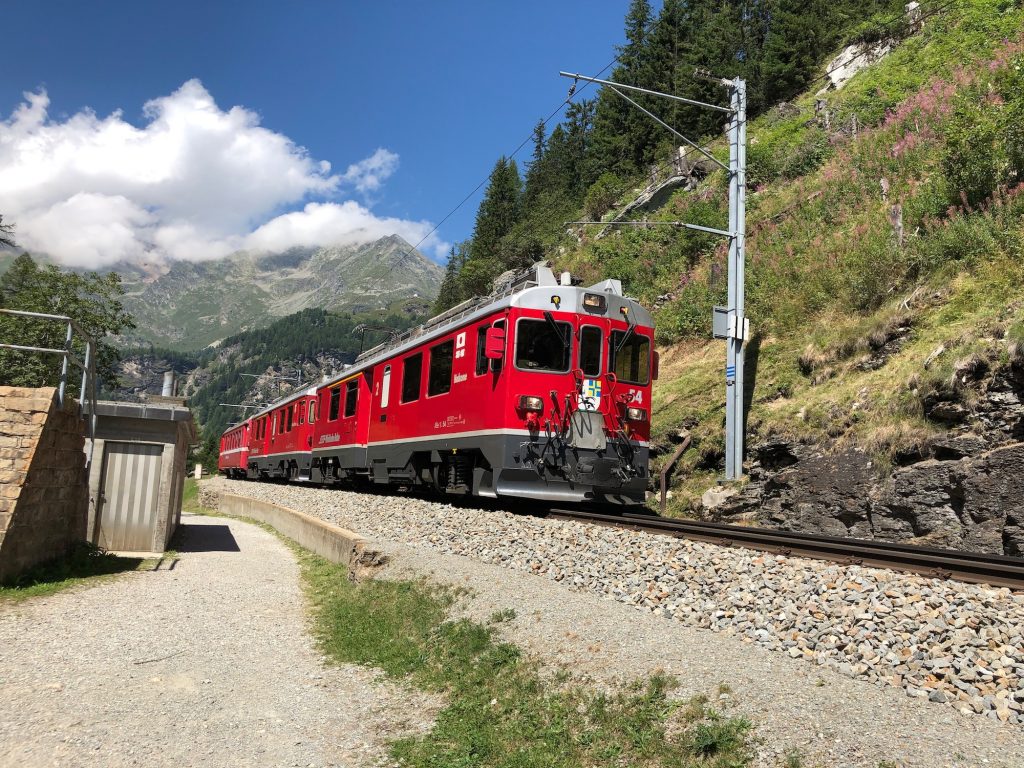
x: 131, y: 487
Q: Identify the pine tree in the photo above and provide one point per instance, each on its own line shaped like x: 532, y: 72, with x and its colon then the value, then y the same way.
x: 498, y: 211
x: 800, y: 33
x: 620, y: 130
x: 536, y: 176
x: 450, y: 292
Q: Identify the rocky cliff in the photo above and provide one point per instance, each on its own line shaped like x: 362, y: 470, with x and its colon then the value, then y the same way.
x: 960, y: 490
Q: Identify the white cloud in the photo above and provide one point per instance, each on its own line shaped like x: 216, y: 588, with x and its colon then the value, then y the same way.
x: 194, y: 182
x: 368, y: 175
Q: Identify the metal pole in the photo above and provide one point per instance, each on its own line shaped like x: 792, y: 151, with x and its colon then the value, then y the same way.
x: 737, y: 256
x: 736, y: 232
x: 85, y: 375
x: 64, y: 368
x: 86, y: 368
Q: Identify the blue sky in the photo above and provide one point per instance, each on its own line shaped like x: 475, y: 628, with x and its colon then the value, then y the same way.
x: 445, y: 86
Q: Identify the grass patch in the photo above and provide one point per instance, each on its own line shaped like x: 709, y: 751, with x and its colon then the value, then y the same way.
x: 85, y: 564
x: 190, y: 497
x: 499, y: 711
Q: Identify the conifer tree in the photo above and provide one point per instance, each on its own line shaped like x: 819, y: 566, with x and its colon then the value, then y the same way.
x: 621, y: 132
x: 450, y: 294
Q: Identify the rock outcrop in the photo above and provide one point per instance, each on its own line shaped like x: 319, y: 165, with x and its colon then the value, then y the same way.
x: 964, y: 491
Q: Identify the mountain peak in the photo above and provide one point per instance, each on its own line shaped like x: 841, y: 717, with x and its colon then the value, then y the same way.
x: 197, y: 303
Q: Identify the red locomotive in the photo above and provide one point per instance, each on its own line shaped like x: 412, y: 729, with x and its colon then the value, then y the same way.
x: 541, y: 390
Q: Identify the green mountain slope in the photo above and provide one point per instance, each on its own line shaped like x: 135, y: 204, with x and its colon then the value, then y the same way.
x: 884, y: 258
x: 194, y: 304
x: 260, y: 365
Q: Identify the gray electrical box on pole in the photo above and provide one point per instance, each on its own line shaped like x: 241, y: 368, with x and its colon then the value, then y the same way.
x: 729, y: 322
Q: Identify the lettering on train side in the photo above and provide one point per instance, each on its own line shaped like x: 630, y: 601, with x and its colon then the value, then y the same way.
x: 450, y: 421
x: 332, y: 438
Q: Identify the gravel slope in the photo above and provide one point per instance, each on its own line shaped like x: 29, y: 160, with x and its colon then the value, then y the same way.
x: 871, y: 635
x: 243, y: 684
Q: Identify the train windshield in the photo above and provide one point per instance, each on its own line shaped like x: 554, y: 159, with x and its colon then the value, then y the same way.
x: 631, y: 363
x: 541, y: 345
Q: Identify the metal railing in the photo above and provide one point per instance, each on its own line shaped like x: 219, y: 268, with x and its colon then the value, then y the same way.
x: 69, y: 358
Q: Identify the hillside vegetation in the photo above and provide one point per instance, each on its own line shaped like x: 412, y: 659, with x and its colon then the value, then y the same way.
x: 884, y: 247
x: 258, y: 366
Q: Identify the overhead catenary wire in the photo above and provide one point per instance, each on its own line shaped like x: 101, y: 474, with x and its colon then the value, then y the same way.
x: 569, y: 97
x: 573, y: 91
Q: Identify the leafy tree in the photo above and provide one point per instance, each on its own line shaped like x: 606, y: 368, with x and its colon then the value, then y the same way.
x: 6, y: 234
x: 92, y: 300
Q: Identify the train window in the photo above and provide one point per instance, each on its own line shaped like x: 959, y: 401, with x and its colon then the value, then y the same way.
x: 291, y: 408
x: 302, y: 414
x: 332, y: 409
x: 632, y: 363
x: 351, y: 395
x: 496, y: 364
x: 481, y: 343
x: 273, y: 427
x: 543, y: 345
x: 412, y: 375
x: 590, y: 350
x: 312, y: 412
x: 439, y: 377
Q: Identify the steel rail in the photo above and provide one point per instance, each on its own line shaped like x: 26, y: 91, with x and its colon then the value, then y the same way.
x: 995, y: 570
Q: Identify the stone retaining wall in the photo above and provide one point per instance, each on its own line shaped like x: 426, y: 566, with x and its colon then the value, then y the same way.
x: 43, y: 485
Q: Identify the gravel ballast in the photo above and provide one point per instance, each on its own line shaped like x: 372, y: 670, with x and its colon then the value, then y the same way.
x: 206, y: 664
x: 946, y: 642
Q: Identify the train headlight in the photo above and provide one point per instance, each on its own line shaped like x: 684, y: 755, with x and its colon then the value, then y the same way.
x: 531, y: 403
x: 636, y: 414
x: 595, y: 301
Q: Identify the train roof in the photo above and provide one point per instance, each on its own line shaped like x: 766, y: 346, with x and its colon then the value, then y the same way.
x: 531, y: 288
x: 284, y: 399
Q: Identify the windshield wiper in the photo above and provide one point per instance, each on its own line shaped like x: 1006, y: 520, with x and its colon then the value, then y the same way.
x: 628, y: 334
x: 558, y: 332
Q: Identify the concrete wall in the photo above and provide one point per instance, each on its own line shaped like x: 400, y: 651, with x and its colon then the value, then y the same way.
x: 43, y: 483
x: 329, y: 541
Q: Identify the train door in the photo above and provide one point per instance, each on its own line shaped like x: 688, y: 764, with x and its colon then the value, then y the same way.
x: 594, y: 406
x: 382, y: 415
x: 381, y: 422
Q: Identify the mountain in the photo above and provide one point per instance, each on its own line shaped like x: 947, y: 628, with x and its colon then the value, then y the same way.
x: 190, y: 305
x: 259, y: 365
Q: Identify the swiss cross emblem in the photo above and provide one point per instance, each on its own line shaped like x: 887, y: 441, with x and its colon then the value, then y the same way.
x: 590, y: 395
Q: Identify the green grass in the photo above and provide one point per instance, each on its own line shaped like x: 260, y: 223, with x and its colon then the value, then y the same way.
x: 86, y: 565
x: 499, y: 711
x: 826, y: 278
x: 190, y: 497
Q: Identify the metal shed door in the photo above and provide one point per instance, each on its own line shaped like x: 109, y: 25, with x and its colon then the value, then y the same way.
x: 131, y: 487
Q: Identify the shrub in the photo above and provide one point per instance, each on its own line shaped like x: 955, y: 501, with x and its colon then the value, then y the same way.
x: 602, y: 195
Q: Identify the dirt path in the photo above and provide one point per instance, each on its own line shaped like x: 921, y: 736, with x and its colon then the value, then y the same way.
x: 84, y: 680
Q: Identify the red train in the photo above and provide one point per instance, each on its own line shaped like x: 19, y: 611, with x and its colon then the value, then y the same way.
x: 541, y: 390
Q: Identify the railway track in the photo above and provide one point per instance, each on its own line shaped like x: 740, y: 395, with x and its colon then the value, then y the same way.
x: 996, y: 570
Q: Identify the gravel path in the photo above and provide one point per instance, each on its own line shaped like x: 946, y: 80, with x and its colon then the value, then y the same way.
x: 870, y: 635
x: 242, y: 684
